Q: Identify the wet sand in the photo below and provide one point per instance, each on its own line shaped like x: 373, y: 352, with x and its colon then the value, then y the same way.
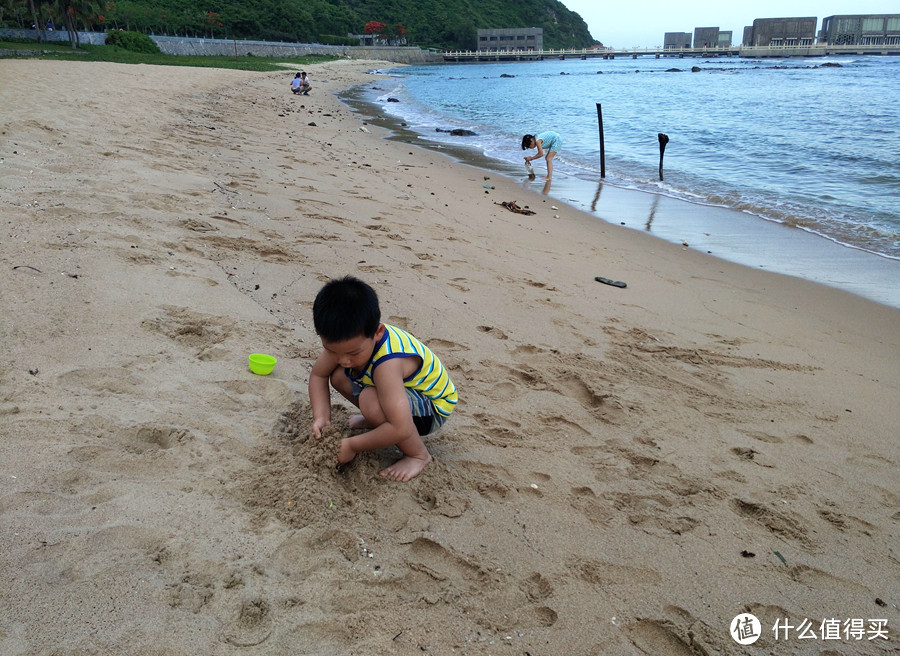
x: 722, y: 232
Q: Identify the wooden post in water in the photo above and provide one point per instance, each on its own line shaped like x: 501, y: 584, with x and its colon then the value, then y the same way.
x: 663, y: 140
x: 602, y: 148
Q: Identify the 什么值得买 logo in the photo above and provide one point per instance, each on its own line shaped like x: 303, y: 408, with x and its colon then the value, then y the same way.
x: 745, y: 629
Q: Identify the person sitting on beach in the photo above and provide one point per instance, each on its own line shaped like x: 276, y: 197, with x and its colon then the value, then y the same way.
x: 400, y: 386
x: 300, y: 84
x: 544, y: 141
x: 296, y: 82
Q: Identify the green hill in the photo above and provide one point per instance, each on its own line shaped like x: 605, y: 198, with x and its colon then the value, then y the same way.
x: 426, y: 23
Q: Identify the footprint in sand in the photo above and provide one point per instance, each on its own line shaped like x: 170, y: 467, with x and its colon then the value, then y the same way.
x: 597, y: 511
x: 599, y: 572
x: 446, y: 345
x: 779, y: 523
x: 439, y: 501
x: 267, y: 251
x: 678, y: 633
x: 493, y: 332
x: 150, y: 437
x: 193, y: 591
x: 496, y: 434
x: 251, y: 626
x: 439, y: 563
x: 845, y: 522
x: 191, y: 329
x: 817, y: 579
x: 660, y: 637
x: 651, y: 511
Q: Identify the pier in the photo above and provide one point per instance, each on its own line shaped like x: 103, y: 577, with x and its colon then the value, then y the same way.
x: 820, y: 50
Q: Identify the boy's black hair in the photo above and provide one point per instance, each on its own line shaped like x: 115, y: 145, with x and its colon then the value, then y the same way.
x: 346, y: 308
x: 526, y: 141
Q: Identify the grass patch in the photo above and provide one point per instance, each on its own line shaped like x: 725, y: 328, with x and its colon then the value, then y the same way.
x: 17, y: 44
x: 63, y: 52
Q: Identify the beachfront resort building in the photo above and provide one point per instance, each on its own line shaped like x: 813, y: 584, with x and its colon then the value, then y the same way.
x: 706, y: 37
x: 781, y: 32
x: 748, y: 36
x: 511, y: 38
x: 676, y: 40
x: 861, y: 30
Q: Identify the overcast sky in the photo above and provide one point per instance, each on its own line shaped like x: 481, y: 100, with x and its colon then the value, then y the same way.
x: 643, y: 23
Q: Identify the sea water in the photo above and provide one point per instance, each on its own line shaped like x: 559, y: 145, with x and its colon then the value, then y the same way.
x: 809, y: 143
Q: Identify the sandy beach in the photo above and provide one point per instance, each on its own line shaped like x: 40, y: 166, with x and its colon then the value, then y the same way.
x: 627, y: 471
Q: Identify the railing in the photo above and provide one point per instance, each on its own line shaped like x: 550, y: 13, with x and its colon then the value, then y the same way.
x: 820, y: 49
x: 591, y: 52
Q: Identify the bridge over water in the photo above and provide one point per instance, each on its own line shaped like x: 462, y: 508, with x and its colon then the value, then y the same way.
x: 821, y: 50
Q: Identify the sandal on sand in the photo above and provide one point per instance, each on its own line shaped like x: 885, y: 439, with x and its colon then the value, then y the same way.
x: 607, y: 281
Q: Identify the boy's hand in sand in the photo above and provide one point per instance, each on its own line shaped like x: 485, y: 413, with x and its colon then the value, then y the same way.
x: 317, y: 426
x: 346, y: 452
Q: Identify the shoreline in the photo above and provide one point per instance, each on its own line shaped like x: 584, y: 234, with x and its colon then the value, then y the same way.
x: 627, y: 470
x: 750, y: 240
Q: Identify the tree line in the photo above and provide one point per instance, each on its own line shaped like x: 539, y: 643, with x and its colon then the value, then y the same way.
x: 426, y: 23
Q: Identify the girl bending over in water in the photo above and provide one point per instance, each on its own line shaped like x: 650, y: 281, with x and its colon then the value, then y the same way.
x: 548, y: 141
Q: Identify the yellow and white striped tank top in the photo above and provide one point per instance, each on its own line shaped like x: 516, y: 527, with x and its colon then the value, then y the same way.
x: 431, y: 379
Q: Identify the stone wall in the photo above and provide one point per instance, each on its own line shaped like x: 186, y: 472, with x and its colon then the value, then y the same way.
x: 181, y: 46
x: 93, y: 38
x: 175, y: 45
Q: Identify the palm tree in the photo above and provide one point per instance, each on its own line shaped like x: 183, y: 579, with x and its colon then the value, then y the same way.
x: 71, y: 10
x: 34, y: 16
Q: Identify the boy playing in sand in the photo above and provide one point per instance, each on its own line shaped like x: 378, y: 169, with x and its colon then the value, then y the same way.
x: 399, y: 385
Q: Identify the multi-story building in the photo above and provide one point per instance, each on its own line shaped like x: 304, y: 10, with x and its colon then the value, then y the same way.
x: 861, y: 29
x: 706, y: 37
x: 748, y: 36
x: 512, y: 38
x: 725, y: 38
x: 676, y: 40
x: 777, y: 32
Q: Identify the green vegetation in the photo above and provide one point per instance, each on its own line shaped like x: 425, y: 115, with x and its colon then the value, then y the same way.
x: 332, y: 40
x: 85, y: 52
x: 426, y: 23
x: 133, y: 41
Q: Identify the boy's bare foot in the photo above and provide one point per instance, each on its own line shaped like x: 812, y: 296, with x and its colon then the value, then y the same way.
x: 358, y: 421
x: 406, y: 468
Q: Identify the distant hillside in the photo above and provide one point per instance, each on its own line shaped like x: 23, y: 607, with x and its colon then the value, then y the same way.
x: 426, y: 23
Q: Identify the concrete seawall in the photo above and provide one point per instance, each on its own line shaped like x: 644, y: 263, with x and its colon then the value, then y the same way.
x: 175, y: 45
x: 179, y: 46
x: 56, y: 36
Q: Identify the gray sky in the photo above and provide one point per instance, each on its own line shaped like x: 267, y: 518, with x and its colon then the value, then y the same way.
x: 643, y: 23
